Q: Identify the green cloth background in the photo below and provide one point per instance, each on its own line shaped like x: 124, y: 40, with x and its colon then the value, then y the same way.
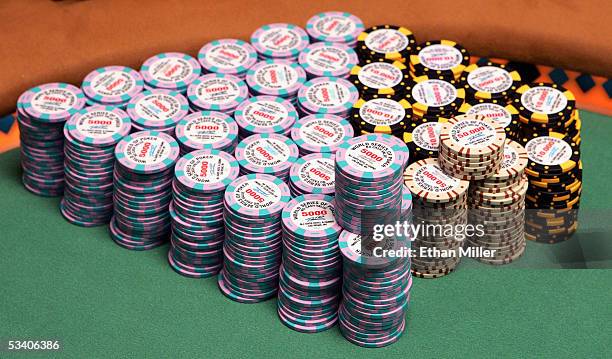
x: 74, y: 284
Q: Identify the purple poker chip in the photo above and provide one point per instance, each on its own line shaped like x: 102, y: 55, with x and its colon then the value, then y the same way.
x: 269, y: 153
x: 99, y: 126
x: 207, y: 130
x: 51, y: 103
x: 257, y: 195
x: 321, y: 133
x: 265, y: 114
x: 328, y: 59
x: 157, y: 109
x: 227, y: 56
x: 112, y: 85
x: 335, y: 26
x: 170, y: 71
x: 279, y: 40
x: 311, y: 216
x: 147, y: 152
x: 313, y: 173
x: 275, y: 77
x: 217, y: 92
x: 327, y: 95
x: 206, y: 170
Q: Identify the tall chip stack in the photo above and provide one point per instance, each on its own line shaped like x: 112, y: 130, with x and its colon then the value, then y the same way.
x: 207, y: 130
x: 311, y: 272
x: 328, y: 59
x: 158, y: 110
x: 439, y: 59
x: 275, y: 77
x: 42, y: 112
x: 217, y: 92
x: 328, y: 95
x: 112, y: 86
x: 227, y: 56
x: 265, y: 114
x: 268, y: 153
x: 172, y: 71
x: 279, y: 41
x: 334, y: 26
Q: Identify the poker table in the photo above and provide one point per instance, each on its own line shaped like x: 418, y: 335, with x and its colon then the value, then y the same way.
x: 72, y: 284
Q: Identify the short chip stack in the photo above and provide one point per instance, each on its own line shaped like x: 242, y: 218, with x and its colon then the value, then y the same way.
x: 41, y: 114
x: 502, y: 114
x: 386, y: 43
x: 112, y: 86
x: 157, y: 110
x: 320, y: 133
x: 311, y: 271
x: 227, y: 56
x: 471, y: 147
x: 200, y: 180
x: 497, y: 204
x: 252, y: 249
x: 439, y: 59
x: 265, y: 114
x: 207, y: 130
x: 172, y: 71
x: 313, y: 173
x: 328, y: 95
x: 439, y: 206
x: 217, y: 92
x: 328, y: 59
x: 334, y: 26
x: 279, y: 41
x: 490, y: 81
x: 434, y: 98
x: 91, y: 136
x: 268, y: 153
x: 381, y: 115
x: 281, y: 78
x: 143, y: 174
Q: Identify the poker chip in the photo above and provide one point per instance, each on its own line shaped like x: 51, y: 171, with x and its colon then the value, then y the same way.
x: 544, y: 103
x: 334, y: 26
x: 267, y: 153
x: 382, y: 78
x: 490, y: 81
x: 279, y: 41
x: 90, y: 138
x: 328, y: 59
x: 276, y: 77
x: 158, y: 110
x: 386, y: 42
x: 329, y: 95
x: 41, y: 114
x: 368, y: 181
x: 313, y: 174
x: 252, y: 249
x: 142, y: 181
x: 217, y: 92
x: 320, y: 133
x: 112, y: 85
x: 442, y: 59
x: 423, y: 141
x: 434, y: 97
x: 265, y: 114
x: 227, y: 56
x: 196, y: 241
x: 381, y: 115
x: 173, y: 71
x: 310, y: 276
x: 505, y: 115
x: 207, y: 130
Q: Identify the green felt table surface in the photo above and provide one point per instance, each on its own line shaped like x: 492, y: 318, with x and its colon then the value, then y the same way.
x: 74, y: 284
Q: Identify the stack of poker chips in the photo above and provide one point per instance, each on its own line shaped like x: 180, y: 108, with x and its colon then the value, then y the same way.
x: 423, y: 140
x: 379, y: 78
x: 385, y: 43
x: 200, y: 180
x: 439, y: 59
x: 471, y: 147
x: 490, y: 81
x: 172, y: 71
x: 268, y: 153
x: 320, y: 133
x: 41, y: 114
x: 406, y: 209
x: 381, y: 115
x: 329, y: 95
x: 217, y: 92
x: 274, y: 77
x: 210, y: 130
x: 375, y: 291
x: 265, y: 114
x: 434, y: 98
x: 253, y: 246
x: 112, y: 86
x: 310, y: 276
x: 368, y: 181
x: 142, y: 181
x: 227, y: 56
x: 313, y: 174
x: 328, y: 59
x: 498, y: 111
x: 279, y: 41
x: 438, y: 201
x: 91, y: 136
x: 554, y: 172
x: 334, y: 26
x: 157, y: 110
x: 497, y: 203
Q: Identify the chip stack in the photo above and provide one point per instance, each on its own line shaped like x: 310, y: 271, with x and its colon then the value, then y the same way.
x: 311, y: 271
x: 268, y: 153
x: 334, y: 26
x: 253, y: 245
x: 172, y: 71
x: 279, y: 41
x: 406, y: 212
x: 112, y: 86
x: 200, y: 179
x: 329, y: 95
x: 210, y: 130
x: 423, y: 140
x: 471, y: 147
x: 439, y: 59
x: 386, y: 43
x: 90, y: 139
x: 381, y: 115
x: 368, y: 181
x: 555, y: 185
x: 227, y: 56
x: 434, y: 98
x: 313, y: 174
x: 217, y: 92
x: 497, y: 204
x: 320, y: 133
x: 265, y: 114
x: 42, y: 112
x: 328, y: 59
x: 439, y: 206
x: 379, y: 78
x: 276, y: 77
x: 142, y: 181
x: 505, y: 115
x: 375, y: 291
x: 490, y: 81
x: 157, y: 110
